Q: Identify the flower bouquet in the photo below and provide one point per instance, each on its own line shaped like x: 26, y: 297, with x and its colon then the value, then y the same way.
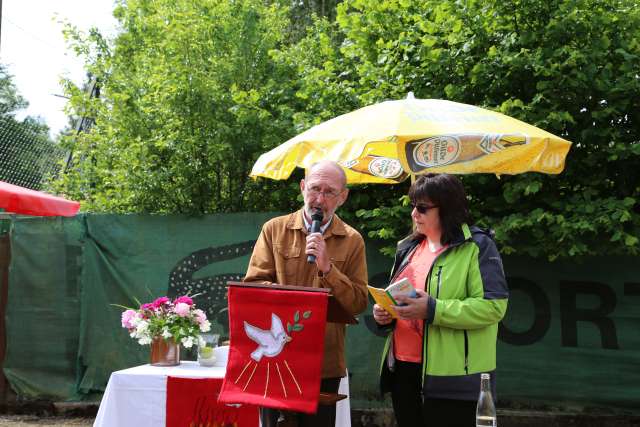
x: 166, y: 324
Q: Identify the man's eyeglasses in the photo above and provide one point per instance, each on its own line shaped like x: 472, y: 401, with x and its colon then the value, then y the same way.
x: 315, y: 192
x: 422, y: 208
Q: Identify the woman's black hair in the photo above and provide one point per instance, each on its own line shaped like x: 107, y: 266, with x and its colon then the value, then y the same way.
x: 447, y: 193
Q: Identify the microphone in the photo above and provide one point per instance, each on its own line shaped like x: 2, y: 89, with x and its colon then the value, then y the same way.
x: 316, y: 221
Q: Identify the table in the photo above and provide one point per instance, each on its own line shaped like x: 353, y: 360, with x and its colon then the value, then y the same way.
x: 137, y: 396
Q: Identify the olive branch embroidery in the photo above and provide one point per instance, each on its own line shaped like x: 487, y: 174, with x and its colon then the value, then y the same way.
x: 297, y: 327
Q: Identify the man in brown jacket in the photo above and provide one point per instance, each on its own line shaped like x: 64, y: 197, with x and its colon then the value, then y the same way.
x: 280, y: 256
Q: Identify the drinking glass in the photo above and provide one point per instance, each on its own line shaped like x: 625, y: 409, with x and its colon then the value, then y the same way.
x: 206, y: 355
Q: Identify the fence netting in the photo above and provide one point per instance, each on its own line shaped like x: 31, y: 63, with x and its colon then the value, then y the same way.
x: 28, y: 157
x: 570, y: 336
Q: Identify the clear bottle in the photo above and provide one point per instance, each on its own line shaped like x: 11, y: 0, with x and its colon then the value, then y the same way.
x: 486, y: 410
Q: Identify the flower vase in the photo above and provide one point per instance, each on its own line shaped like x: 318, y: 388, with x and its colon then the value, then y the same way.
x: 164, y: 352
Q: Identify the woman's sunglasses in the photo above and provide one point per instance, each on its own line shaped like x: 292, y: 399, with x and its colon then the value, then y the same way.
x: 422, y: 208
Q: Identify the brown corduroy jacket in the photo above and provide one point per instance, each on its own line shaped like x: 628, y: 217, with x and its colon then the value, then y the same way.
x: 279, y: 257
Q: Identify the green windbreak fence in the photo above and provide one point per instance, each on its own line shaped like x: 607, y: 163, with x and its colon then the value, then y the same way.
x: 569, y: 338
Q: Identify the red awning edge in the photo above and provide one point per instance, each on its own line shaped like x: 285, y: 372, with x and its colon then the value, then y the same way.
x: 20, y: 200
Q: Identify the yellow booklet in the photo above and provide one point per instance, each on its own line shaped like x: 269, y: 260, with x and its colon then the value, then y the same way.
x: 384, y: 297
x: 384, y: 300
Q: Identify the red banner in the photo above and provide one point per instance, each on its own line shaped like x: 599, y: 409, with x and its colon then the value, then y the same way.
x: 276, y: 348
x: 193, y: 402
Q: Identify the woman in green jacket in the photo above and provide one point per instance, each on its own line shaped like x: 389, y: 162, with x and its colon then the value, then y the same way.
x: 442, y: 340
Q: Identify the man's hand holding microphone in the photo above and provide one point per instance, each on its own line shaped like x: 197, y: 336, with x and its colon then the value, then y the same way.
x: 316, y: 250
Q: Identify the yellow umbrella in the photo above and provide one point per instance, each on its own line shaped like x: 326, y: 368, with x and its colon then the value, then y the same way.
x: 391, y: 140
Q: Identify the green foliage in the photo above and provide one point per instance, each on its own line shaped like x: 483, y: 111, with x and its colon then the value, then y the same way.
x: 327, y: 86
x: 303, y: 13
x: 10, y: 99
x: 193, y: 93
x: 569, y: 67
x: 388, y: 222
x: 189, y: 98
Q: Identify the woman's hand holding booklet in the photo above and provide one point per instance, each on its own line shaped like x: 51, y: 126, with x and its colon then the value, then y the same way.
x: 386, y: 298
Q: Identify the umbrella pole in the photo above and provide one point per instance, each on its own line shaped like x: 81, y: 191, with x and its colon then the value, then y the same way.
x: 413, y: 226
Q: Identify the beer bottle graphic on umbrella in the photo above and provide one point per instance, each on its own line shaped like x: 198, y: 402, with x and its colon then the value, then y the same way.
x: 448, y: 149
x: 433, y: 152
x: 380, y: 166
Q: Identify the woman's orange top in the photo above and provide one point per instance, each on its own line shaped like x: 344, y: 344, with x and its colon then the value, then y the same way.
x: 407, y: 335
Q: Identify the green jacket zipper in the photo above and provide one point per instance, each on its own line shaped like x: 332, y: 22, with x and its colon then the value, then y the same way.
x: 466, y: 353
x: 439, y: 274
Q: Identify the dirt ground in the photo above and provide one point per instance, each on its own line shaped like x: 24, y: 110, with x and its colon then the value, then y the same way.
x: 369, y: 419
x: 35, y: 421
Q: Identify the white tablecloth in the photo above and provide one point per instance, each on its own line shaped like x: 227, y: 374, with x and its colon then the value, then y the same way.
x: 136, y: 397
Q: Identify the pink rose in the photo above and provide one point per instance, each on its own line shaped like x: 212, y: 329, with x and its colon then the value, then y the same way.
x: 182, y: 309
x: 200, y: 316
x: 185, y: 299
x: 127, y: 317
x: 147, y: 306
x: 160, y: 302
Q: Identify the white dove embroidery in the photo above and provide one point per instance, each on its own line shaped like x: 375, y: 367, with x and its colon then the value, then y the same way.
x: 270, y: 343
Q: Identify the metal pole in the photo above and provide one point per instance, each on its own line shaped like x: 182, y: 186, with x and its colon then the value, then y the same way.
x: 0, y: 23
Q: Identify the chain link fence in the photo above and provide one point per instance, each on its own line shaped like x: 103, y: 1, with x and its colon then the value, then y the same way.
x: 28, y: 157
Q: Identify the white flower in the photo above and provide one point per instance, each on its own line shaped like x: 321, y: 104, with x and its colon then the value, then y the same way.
x: 135, y: 321
x: 165, y: 333
x: 205, y: 326
x: 144, y: 341
x: 142, y: 327
x: 187, y: 342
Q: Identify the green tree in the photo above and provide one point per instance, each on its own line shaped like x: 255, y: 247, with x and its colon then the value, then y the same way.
x: 10, y: 99
x: 302, y: 14
x: 192, y: 94
x: 327, y: 86
x: 569, y: 67
x: 189, y: 97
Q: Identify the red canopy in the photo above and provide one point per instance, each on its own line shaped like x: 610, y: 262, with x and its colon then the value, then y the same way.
x: 30, y: 202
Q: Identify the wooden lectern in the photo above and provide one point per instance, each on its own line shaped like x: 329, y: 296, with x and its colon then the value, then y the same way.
x: 336, y: 313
